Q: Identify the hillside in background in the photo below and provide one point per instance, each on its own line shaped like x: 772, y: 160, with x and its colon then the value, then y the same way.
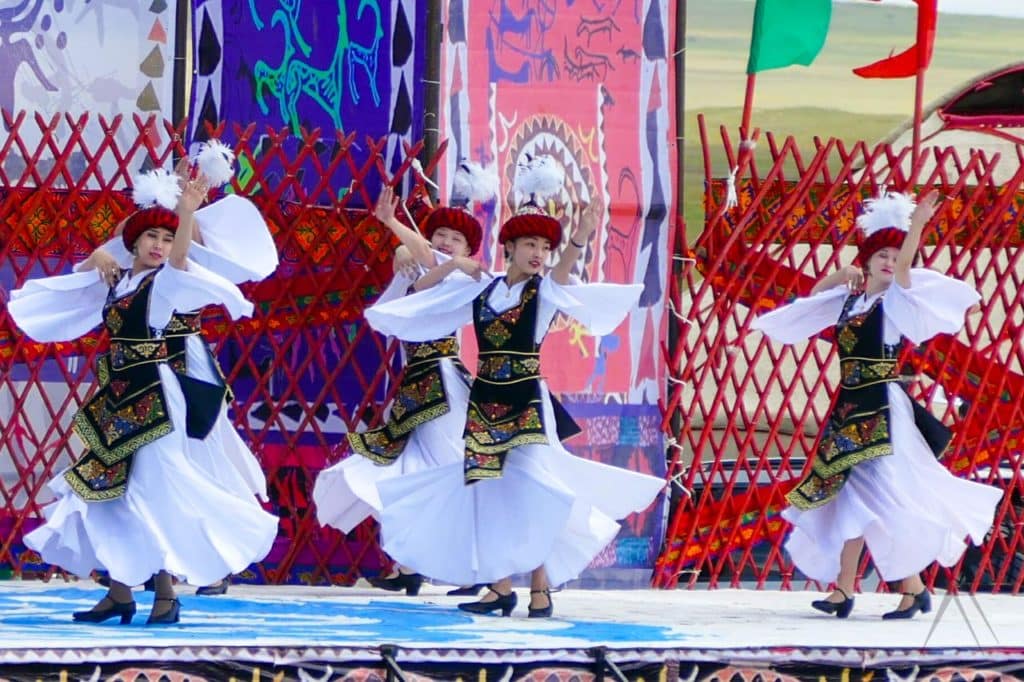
x: 826, y: 99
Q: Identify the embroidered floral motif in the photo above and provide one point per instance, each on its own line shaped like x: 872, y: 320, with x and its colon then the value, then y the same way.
x: 115, y: 424
x: 495, y: 367
x: 114, y: 321
x: 183, y: 324
x: 847, y: 339
x: 495, y: 410
x: 95, y: 481
x: 99, y: 476
x: 118, y: 387
x: 412, y: 395
x: 421, y: 397
x: 486, y: 430
x: 447, y: 347
x: 123, y: 354
x: 497, y: 334
x: 526, y: 365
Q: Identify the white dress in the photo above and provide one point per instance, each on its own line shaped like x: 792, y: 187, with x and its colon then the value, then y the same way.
x: 907, y: 506
x: 549, y: 508
x: 238, y: 246
x: 345, y: 494
x: 173, y: 516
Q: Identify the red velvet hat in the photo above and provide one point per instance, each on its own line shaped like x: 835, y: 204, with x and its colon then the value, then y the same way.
x: 531, y: 224
x: 140, y: 221
x: 458, y: 219
x: 884, y: 223
x: 156, y: 194
x: 878, y: 240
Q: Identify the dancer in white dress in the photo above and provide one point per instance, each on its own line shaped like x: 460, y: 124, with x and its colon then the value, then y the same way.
x: 875, y: 478
x: 519, y: 501
x: 425, y: 421
x: 136, y: 504
x: 231, y: 239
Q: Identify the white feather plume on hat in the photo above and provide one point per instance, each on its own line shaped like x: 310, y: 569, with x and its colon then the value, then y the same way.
x: 890, y: 209
x: 158, y: 187
x: 472, y: 183
x: 538, y: 177
x: 216, y: 161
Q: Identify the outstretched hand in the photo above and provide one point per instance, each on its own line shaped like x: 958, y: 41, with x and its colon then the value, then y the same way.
x: 588, y: 223
x: 926, y: 208
x: 107, y: 266
x: 193, y: 194
x: 387, y: 203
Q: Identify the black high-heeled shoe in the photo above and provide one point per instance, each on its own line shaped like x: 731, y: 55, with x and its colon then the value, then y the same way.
x: 126, y: 610
x: 504, y: 602
x: 841, y: 609
x: 467, y: 591
x: 410, y: 582
x: 922, y: 602
x: 171, y: 615
x: 213, y: 590
x: 544, y: 611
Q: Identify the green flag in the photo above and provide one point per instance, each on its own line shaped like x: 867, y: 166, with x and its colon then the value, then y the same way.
x: 787, y: 32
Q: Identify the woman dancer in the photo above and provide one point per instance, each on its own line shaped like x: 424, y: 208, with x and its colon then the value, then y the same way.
x: 422, y: 428
x: 136, y: 504
x: 875, y: 479
x: 519, y: 501
x: 231, y: 239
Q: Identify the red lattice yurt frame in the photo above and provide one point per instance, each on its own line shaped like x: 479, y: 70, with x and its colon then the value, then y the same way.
x: 747, y: 410
x: 305, y: 367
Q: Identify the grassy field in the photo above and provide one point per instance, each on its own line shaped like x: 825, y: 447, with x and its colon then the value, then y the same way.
x: 826, y: 99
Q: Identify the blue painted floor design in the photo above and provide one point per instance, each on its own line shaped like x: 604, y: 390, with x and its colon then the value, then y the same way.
x: 31, y: 618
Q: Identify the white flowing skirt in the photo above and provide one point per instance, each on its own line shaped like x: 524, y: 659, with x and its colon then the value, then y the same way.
x: 550, y: 508
x: 909, y: 508
x: 223, y: 455
x: 345, y: 494
x: 173, y: 516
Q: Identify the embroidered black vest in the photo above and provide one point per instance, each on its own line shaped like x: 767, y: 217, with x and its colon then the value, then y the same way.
x: 505, y: 405
x: 421, y: 397
x: 129, y: 409
x: 857, y: 428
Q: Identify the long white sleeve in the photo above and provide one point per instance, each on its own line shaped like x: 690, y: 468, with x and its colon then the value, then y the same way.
x: 59, y: 308
x: 804, y: 317
x: 934, y: 304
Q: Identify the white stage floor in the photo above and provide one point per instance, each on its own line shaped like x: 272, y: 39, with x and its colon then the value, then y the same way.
x: 303, y: 623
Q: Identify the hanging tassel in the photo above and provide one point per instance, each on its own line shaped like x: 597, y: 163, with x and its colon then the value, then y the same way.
x: 731, y: 197
x: 418, y: 167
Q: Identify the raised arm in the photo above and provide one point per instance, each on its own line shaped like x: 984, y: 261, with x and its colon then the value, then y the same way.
x: 924, y: 211
x: 436, y: 274
x: 577, y: 242
x: 418, y: 246
x: 192, y: 196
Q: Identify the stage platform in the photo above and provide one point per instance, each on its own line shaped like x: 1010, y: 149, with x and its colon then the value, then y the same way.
x: 359, y: 633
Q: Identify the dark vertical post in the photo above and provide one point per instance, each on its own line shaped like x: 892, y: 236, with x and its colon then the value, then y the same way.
x: 678, y: 266
x: 432, y: 83
x: 179, y: 100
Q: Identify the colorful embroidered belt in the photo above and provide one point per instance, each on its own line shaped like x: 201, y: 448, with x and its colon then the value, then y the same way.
x: 417, y: 353
x: 856, y: 373
x: 507, y: 367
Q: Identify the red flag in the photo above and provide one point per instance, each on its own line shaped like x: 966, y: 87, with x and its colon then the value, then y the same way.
x: 906, y: 64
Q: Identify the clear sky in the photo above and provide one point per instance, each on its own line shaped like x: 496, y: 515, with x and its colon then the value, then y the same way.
x: 999, y: 8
